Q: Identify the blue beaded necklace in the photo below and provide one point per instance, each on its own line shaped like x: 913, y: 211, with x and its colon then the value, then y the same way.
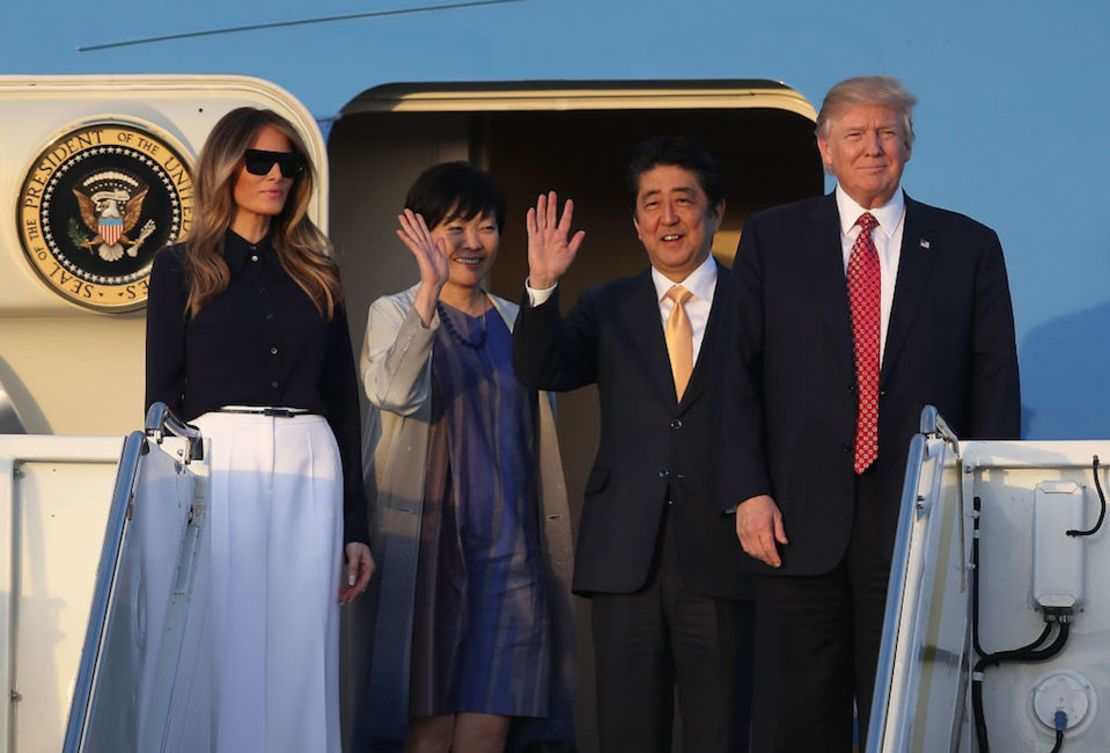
x: 456, y: 335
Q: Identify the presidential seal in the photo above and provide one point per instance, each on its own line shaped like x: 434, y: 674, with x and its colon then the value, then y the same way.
x: 95, y: 206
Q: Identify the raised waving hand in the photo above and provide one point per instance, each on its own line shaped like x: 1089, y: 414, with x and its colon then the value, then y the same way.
x: 432, y: 258
x: 550, y: 252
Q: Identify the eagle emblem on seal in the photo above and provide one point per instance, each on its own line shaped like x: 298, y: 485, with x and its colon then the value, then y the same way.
x: 111, y: 203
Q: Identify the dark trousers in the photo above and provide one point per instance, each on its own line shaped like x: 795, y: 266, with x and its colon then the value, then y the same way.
x: 817, y: 643
x: 664, y: 639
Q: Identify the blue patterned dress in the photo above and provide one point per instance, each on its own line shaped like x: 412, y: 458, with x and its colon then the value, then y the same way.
x: 481, y: 636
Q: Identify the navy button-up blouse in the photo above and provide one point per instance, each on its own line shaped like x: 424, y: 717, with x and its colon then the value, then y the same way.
x: 260, y: 342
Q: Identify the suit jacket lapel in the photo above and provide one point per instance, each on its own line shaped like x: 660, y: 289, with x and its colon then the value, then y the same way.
x: 639, y: 318
x: 915, y: 266
x: 826, y: 270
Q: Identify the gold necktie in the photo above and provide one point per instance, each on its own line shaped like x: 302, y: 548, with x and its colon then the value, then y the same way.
x: 680, y: 339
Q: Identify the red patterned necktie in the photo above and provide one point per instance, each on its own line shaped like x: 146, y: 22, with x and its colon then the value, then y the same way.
x: 864, y: 287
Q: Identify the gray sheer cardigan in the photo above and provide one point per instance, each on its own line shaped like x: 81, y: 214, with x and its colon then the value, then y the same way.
x: 395, y: 366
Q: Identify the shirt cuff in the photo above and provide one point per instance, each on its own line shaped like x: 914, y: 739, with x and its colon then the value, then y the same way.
x: 538, y: 297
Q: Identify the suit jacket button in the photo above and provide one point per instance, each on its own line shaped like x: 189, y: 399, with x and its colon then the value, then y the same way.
x: 676, y: 424
x: 664, y: 473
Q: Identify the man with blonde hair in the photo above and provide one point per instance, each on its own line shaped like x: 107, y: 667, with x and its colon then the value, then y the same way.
x: 851, y: 312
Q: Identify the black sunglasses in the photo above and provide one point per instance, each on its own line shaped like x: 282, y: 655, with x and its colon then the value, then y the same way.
x: 261, y: 162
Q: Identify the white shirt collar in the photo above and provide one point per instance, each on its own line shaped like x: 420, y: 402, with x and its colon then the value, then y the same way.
x: 700, y: 282
x: 889, y: 215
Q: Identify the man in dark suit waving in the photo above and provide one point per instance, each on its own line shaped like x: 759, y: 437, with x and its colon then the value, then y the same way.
x: 852, y: 312
x: 655, y: 552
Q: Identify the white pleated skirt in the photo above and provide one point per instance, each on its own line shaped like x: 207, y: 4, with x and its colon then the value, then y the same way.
x: 276, y: 534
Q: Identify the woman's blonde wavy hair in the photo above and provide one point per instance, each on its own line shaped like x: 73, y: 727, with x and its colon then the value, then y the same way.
x: 302, y: 250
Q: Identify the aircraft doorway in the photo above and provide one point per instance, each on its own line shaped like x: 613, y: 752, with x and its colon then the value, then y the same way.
x: 576, y: 140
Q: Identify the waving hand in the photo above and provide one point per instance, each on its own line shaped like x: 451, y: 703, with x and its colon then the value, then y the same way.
x: 432, y: 258
x: 550, y: 252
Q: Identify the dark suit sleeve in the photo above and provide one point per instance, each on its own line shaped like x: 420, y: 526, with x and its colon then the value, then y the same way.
x: 339, y: 390
x: 995, y: 391
x: 741, y: 432
x: 552, y: 354
x: 165, y: 333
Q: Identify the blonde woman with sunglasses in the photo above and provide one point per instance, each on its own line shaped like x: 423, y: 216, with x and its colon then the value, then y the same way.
x: 247, y: 337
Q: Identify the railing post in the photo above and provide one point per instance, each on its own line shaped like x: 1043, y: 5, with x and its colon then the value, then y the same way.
x: 160, y: 420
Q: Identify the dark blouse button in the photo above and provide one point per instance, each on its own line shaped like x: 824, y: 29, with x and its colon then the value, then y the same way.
x: 273, y: 351
x: 254, y: 257
x: 269, y: 315
x: 274, y: 384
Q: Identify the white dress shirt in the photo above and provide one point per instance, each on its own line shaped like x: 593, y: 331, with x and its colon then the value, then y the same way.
x: 888, y: 242
x: 701, y: 283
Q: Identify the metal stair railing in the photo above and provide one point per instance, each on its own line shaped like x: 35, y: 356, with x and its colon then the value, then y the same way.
x: 122, y: 696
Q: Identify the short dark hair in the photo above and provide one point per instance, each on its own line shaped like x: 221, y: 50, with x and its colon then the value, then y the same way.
x: 458, y: 188
x: 680, y: 152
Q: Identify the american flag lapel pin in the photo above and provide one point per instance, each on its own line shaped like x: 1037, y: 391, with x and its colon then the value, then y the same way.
x: 924, y: 244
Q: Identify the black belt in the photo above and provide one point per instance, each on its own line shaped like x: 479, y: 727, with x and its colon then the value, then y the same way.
x: 272, y: 412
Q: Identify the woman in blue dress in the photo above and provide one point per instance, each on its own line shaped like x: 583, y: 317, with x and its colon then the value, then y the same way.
x: 473, y: 624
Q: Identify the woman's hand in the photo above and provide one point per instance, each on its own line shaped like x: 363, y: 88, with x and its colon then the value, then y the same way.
x: 360, y: 566
x: 432, y: 259
x: 549, y: 251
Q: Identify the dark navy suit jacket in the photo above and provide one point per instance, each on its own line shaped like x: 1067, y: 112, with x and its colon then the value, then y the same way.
x: 653, y: 448
x: 789, y: 394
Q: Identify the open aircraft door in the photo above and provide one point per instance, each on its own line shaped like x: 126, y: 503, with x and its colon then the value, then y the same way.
x: 80, y: 155
x: 574, y: 137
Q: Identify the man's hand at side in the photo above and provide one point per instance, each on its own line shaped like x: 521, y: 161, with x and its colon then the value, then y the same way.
x: 759, y: 527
